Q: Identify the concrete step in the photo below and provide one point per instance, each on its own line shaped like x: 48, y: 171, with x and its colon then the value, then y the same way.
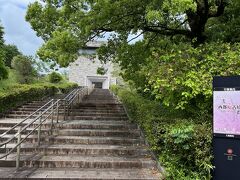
x: 100, y: 98
x: 11, y: 124
x: 86, y: 124
x: 100, y: 105
x: 98, y: 114
x: 23, y: 116
x: 44, y: 131
x: 81, y: 174
x: 80, y: 132
x: 48, y: 139
x: 36, y: 106
x: 76, y: 124
x: 110, y: 140
x: 109, y: 118
x: 83, y: 104
x: 76, y: 161
x: 86, y: 110
x: 94, y: 109
x: 76, y: 113
x: 101, y: 109
x: 70, y: 149
x: 96, y: 132
x: 89, y: 162
x: 100, y: 102
x: 19, y: 112
x: 80, y: 110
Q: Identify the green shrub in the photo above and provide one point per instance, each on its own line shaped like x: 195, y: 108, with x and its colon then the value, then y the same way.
x: 66, y: 87
x: 55, y: 77
x: 183, y: 145
x: 19, y: 94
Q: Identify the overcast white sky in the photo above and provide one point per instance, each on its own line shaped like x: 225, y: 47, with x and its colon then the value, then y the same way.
x: 17, y: 30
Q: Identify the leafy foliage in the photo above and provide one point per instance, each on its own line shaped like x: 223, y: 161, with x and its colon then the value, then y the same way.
x: 10, y: 52
x: 183, y: 145
x: 68, y: 25
x: 55, y: 77
x: 101, y: 70
x: 1, y: 36
x: 10, y: 81
x: 3, y: 70
x: 226, y: 27
x: 24, y: 67
x: 181, y: 77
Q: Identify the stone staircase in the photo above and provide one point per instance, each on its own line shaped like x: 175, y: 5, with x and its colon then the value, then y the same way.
x: 96, y: 142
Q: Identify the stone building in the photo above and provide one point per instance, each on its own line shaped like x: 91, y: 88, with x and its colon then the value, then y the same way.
x: 84, y: 70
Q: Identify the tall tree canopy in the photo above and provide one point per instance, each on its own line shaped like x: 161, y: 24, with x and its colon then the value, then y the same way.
x: 1, y: 35
x: 3, y: 70
x: 176, y: 56
x: 10, y: 52
x: 66, y: 25
x: 24, y: 67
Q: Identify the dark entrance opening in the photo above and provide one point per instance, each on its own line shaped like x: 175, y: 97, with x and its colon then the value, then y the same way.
x: 98, y: 85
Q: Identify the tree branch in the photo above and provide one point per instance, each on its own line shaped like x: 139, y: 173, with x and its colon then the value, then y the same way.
x: 168, y: 31
x: 220, y: 10
x: 136, y: 37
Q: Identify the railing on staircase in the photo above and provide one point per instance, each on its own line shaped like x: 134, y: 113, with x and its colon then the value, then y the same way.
x: 50, y: 110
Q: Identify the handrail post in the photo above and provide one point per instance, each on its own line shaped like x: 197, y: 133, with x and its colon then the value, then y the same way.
x: 39, y: 129
x: 52, y: 116
x: 6, y: 150
x: 78, y: 100
x: 57, y: 111
x: 18, y: 148
x: 64, y: 109
x: 68, y: 110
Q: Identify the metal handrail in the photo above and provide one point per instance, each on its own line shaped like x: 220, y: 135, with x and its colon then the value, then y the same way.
x: 16, y: 125
x: 72, y: 92
x: 20, y: 124
x: 26, y: 126
x: 73, y: 97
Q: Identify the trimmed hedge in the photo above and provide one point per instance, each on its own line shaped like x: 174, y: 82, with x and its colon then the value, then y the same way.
x: 19, y: 94
x: 183, y: 145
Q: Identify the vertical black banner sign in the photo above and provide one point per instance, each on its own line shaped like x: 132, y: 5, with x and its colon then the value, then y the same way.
x: 226, y: 127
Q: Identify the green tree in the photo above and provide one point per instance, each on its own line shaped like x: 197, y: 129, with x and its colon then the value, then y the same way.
x: 3, y: 70
x: 10, y: 52
x: 1, y: 35
x: 24, y: 68
x: 68, y: 25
